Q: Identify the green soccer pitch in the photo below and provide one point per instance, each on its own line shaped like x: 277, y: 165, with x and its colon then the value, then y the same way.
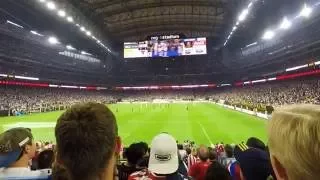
x: 203, y: 123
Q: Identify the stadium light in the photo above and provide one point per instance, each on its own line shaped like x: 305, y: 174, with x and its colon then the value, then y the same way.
x: 286, y: 24
x: 78, y: 25
x: 259, y: 81
x: 272, y: 79
x: 82, y: 28
x: 296, y: 68
x: 98, y: 41
x: 61, y: 13
x: 250, y: 4
x: 88, y: 33
x: 42, y: 1
x: 70, y: 19
x: 15, y: 24
x: 53, y: 40
x: 27, y: 78
x: 268, y: 35
x: 85, y: 53
x: 51, y: 5
x: 234, y: 28
x: 252, y: 44
x: 36, y: 33
x: 306, y: 11
x: 317, y: 63
x: 69, y: 47
x: 243, y: 15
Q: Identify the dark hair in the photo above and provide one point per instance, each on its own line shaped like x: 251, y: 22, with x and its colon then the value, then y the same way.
x: 217, y: 171
x: 144, y: 146
x: 229, y: 150
x: 45, y: 159
x: 212, y: 154
x: 188, y: 150
x: 180, y: 146
x: 256, y: 143
x: 86, y: 137
x: 134, y: 153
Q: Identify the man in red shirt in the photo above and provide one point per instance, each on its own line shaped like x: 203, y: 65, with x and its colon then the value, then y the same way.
x: 198, y: 171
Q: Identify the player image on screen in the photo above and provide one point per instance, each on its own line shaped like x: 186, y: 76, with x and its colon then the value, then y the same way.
x: 166, y: 48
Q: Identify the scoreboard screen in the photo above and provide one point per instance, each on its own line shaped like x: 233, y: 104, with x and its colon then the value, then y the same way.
x: 165, y: 48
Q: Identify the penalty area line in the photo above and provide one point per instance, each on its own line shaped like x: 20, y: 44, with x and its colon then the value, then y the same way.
x: 205, y: 133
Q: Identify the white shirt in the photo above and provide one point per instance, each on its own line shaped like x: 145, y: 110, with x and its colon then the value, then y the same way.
x: 24, y: 174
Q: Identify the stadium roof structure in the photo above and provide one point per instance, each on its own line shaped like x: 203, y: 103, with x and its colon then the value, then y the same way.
x: 136, y: 19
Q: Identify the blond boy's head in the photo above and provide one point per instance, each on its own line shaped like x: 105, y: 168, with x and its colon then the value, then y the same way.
x: 294, y: 142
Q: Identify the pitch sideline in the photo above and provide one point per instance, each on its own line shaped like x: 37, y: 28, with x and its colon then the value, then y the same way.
x: 31, y: 125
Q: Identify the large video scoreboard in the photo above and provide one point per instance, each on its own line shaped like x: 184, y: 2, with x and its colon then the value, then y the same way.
x: 165, y: 46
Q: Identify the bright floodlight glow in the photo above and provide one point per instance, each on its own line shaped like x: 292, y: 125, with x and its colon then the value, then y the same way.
x: 268, y: 35
x: 306, y: 11
x: 82, y: 28
x: 36, y: 33
x: 61, y: 13
x: 243, y: 15
x: 70, y: 19
x: 78, y: 25
x: 42, y: 1
x: 51, y: 5
x: 286, y: 24
x: 250, y: 5
x: 234, y: 28
x: 98, y: 41
x: 85, y: 53
x: 69, y: 47
x: 15, y: 24
x: 88, y: 33
x: 53, y: 40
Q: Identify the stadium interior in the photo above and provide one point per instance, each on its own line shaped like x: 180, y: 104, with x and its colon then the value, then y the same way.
x: 210, y: 74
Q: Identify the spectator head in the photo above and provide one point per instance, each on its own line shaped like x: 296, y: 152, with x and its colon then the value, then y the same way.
x: 203, y: 153
x: 254, y: 163
x: 294, y: 136
x: 256, y: 143
x: 180, y: 146
x: 229, y: 151
x: 134, y: 153
x: 38, y: 145
x: 217, y: 171
x: 87, y: 143
x: 16, y: 147
x: 45, y: 159
x: 188, y: 150
x: 164, y: 155
x: 212, y: 154
x: 145, y: 148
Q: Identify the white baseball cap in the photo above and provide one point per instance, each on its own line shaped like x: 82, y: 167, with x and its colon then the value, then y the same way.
x: 163, y: 155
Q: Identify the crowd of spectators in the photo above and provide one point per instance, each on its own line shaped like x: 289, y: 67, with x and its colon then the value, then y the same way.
x: 273, y: 94
x: 23, y: 99
x: 88, y: 147
x: 256, y: 96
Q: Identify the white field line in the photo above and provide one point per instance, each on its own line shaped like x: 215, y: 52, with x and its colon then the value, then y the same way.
x: 30, y: 125
x: 205, y: 133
